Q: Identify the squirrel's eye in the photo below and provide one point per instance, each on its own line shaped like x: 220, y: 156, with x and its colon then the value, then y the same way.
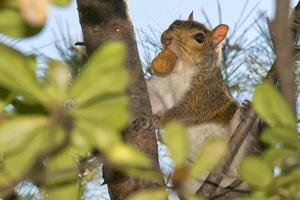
x: 199, y: 37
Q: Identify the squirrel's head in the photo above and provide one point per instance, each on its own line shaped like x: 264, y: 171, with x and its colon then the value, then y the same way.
x: 193, y: 42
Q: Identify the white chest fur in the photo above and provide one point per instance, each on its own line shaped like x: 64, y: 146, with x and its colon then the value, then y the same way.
x: 166, y: 91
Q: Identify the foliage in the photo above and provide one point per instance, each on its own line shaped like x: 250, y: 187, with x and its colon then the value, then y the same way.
x: 89, y: 108
x: 275, y: 174
x: 51, y: 124
x: 72, y: 116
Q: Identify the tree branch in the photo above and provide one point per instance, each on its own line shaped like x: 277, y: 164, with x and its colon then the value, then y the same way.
x: 207, y: 190
x: 284, y: 52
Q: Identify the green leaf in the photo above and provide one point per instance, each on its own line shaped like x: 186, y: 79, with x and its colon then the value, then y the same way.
x: 13, y: 24
x: 277, y: 157
x: 65, y: 191
x: 209, y: 156
x: 19, y: 161
x: 176, y: 139
x: 108, y: 113
x: 4, y: 93
x: 66, y: 161
x: 256, y: 172
x: 281, y: 135
x: 80, y: 145
x: 97, y: 136
x: 103, y: 75
x: 127, y: 155
x: 285, y: 179
x: 255, y: 195
x: 58, y: 78
x: 61, y: 2
x: 102, y: 122
x: 19, y: 131
x: 17, y: 74
x: 158, y: 194
x: 272, y: 107
x: 193, y: 197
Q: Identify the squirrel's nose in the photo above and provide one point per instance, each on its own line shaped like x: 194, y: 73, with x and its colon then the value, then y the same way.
x: 166, y: 39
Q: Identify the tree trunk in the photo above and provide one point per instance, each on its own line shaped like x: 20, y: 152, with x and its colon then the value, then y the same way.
x: 108, y: 20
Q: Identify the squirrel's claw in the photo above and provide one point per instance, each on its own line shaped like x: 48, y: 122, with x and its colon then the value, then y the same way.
x: 146, y: 122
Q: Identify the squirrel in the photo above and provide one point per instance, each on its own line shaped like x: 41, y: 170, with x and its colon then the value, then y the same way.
x: 195, y: 93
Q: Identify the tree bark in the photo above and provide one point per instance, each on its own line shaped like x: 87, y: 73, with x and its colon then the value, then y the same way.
x: 108, y: 20
x: 284, y: 52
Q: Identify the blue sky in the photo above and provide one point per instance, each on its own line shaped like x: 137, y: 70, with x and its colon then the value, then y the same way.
x: 157, y: 14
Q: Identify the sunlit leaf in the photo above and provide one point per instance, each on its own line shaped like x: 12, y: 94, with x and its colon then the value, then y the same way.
x: 256, y: 172
x: 209, y: 156
x: 34, y: 11
x: 20, y: 130
x: 62, y: 168
x: 175, y: 137
x: 193, y: 197
x: 126, y: 155
x: 270, y: 104
x: 13, y: 24
x: 281, y: 135
x: 110, y: 112
x: 65, y: 191
x: 277, y: 156
x: 289, y: 178
x: 159, y: 194
x: 103, y: 75
x: 255, y: 195
x: 97, y: 136
x: 4, y: 178
x: 19, y: 161
x: 65, y: 160
x: 17, y: 74
x: 61, y: 2
x: 58, y: 77
x: 80, y: 145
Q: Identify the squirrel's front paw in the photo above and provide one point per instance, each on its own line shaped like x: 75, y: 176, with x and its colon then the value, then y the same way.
x: 146, y: 122
x: 156, y: 119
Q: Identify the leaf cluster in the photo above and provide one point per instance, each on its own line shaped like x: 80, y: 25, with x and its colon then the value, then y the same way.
x: 274, y: 174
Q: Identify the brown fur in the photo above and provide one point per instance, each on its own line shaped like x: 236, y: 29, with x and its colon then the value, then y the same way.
x: 208, y: 98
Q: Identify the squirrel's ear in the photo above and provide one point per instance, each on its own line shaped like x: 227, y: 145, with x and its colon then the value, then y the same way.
x: 219, y: 33
x: 191, y: 16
